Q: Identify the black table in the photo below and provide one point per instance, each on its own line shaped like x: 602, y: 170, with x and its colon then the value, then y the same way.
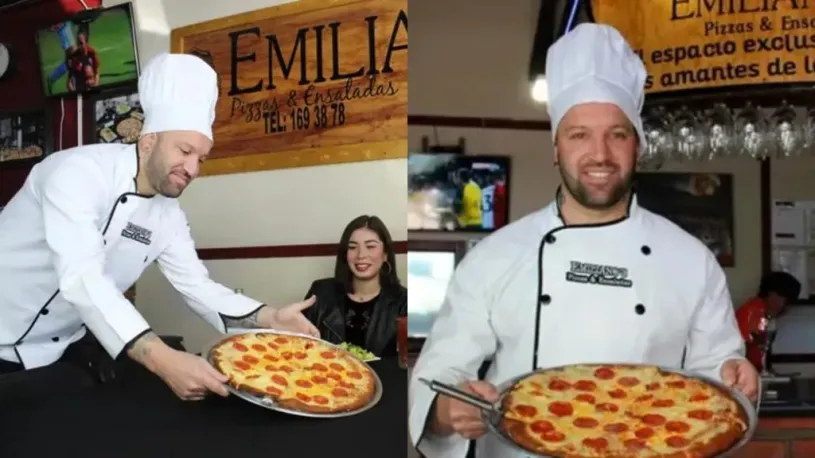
x: 140, y: 417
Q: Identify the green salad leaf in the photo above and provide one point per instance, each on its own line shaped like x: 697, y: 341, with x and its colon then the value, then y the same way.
x: 358, y: 351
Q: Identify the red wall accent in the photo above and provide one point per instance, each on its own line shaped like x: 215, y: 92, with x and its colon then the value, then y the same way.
x: 21, y: 90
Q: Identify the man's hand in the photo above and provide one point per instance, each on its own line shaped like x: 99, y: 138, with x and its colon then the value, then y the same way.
x: 453, y: 416
x: 741, y: 375
x: 289, y: 318
x: 190, y: 376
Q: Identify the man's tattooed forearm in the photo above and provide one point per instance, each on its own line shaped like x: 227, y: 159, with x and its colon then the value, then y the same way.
x: 140, y: 349
x: 250, y: 321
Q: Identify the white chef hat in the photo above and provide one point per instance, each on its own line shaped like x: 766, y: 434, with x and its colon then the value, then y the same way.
x: 594, y: 63
x: 178, y: 92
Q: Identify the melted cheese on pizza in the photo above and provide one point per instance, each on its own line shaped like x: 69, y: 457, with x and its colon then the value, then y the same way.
x: 293, y: 367
x: 621, y: 408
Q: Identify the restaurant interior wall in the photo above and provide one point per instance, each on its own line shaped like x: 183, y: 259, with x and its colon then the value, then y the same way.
x: 20, y: 90
x: 300, y: 206
x: 487, y: 77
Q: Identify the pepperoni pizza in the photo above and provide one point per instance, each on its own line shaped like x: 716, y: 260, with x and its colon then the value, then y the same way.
x: 296, y: 372
x: 592, y: 411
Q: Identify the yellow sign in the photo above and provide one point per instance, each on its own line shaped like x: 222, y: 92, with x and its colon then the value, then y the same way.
x: 306, y: 83
x: 696, y: 44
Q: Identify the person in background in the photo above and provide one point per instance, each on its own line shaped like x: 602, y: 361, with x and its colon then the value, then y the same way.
x: 499, y: 206
x: 469, y: 213
x: 488, y: 202
x: 777, y: 289
x: 79, y: 58
x: 64, y: 31
x: 360, y: 304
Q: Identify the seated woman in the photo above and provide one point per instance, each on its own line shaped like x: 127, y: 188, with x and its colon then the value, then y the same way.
x: 361, y: 303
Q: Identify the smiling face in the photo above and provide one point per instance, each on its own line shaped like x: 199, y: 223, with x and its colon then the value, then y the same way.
x: 366, y: 254
x: 172, y: 160
x: 596, y: 154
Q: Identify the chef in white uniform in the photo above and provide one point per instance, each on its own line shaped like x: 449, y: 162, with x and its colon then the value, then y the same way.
x: 592, y: 277
x: 89, y: 220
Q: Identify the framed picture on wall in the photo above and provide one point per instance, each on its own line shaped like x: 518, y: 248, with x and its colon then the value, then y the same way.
x: 117, y: 116
x: 700, y: 203
x: 23, y: 137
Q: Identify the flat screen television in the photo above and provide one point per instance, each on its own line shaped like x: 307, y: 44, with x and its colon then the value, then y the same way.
x: 457, y: 193
x: 430, y: 269
x: 93, y: 50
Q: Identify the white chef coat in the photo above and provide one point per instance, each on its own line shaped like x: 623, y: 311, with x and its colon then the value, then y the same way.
x: 74, y: 238
x: 639, y: 290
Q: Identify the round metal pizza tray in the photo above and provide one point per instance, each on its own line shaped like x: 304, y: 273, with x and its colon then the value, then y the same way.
x: 268, y: 403
x: 494, y: 413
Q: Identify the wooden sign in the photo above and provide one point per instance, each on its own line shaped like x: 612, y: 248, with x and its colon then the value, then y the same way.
x: 695, y: 44
x: 306, y: 83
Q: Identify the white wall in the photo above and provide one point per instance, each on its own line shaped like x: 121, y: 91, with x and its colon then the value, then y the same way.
x: 293, y: 206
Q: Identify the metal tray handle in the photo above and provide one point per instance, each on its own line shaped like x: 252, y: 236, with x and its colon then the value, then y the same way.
x: 460, y: 395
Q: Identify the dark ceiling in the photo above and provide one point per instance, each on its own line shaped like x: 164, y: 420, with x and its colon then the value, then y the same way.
x: 6, y: 5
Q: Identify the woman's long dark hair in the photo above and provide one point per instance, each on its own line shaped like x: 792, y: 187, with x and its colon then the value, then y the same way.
x: 388, y: 278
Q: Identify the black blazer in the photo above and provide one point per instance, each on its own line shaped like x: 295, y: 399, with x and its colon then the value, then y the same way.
x: 328, y: 314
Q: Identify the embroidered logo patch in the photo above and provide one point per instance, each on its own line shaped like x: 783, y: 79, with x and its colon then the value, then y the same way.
x: 598, y: 274
x: 137, y: 233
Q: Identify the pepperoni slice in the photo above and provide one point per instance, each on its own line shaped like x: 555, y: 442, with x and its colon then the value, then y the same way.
x: 652, y: 386
x: 287, y: 355
x: 339, y: 392
x: 334, y: 376
x: 319, y: 367
x: 700, y: 414
x: 250, y: 359
x: 561, y: 409
x: 271, y: 358
x: 286, y: 369
x: 634, y: 444
x: 328, y: 354
x: 644, y: 433
x: 663, y: 403
x: 281, y: 340
x: 240, y: 347
x: 303, y: 383
x: 303, y: 397
x: 559, y: 385
x: 319, y: 379
x: 699, y: 397
x: 597, y: 443
x: 645, y: 397
x: 280, y: 380
x: 677, y: 427
x: 300, y: 355
x: 270, y: 368
x: 617, y: 394
x: 242, y: 365
x: 258, y: 347
x: 553, y: 436
x: 585, y: 422
x: 585, y: 385
x: 526, y: 411
x: 604, y: 373
x: 587, y: 398
x: 321, y: 399
x: 615, y: 428
x: 309, y: 345
x: 354, y: 375
x: 252, y: 377
x: 336, y: 366
x: 273, y: 346
x: 676, y: 384
x: 653, y: 419
x: 628, y: 381
x: 542, y: 426
x: 273, y: 390
x: 676, y: 441
x: 607, y: 407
